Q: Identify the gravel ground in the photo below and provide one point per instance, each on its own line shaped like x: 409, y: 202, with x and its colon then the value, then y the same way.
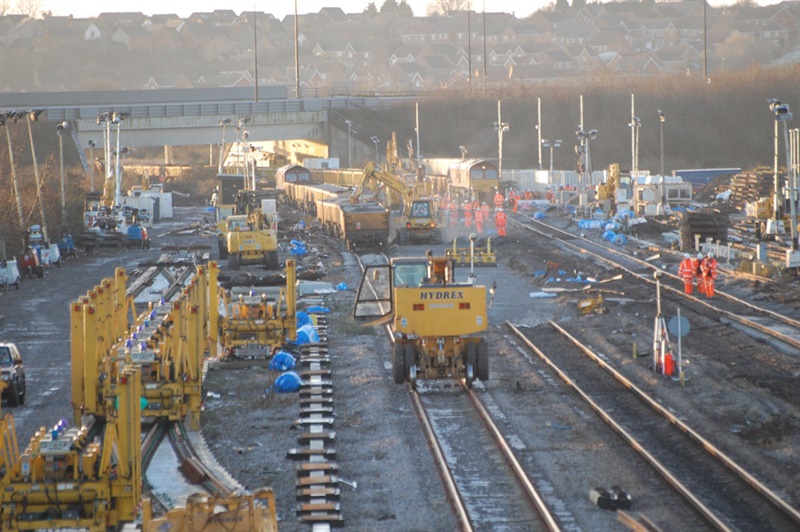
x: 749, y: 401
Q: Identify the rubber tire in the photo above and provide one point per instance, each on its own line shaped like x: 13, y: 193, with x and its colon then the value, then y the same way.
x: 13, y: 395
x: 482, y: 367
x: 411, y: 362
x: 399, y: 364
x: 222, y: 247
x: 40, y: 272
x: 470, y: 359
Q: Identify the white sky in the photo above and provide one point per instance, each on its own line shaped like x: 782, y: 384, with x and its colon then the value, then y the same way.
x: 280, y: 8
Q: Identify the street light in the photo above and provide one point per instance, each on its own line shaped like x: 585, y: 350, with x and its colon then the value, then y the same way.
x: 349, y: 124
x: 117, y: 119
x: 92, y: 145
x: 782, y: 114
x: 585, y: 153
x: 375, y: 140
x: 224, y: 124
x: 463, y: 152
x: 661, y: 119
x: 60, y: 130
x: 547, y: 144
x: 501, y: 128
x: 635, y: 124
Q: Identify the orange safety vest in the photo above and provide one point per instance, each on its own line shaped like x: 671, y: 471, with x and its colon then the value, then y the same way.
x: 478, y: 216
x: 500, y: 219
x: 498, y: 200
x: 468, y: 207
x: 687, y: 270
x: 709, y: 268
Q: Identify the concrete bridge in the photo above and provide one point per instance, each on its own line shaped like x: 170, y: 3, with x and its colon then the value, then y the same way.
x: 181, y: 117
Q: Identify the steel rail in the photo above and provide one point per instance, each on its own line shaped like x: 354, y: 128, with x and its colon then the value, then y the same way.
x: 534, y: 497
x: 788, y: 340
x: 724, y: 459
x: 186, y: 454
x: 451, y: 489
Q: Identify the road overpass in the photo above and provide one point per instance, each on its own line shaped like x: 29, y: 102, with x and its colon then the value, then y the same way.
x: 182, y: 117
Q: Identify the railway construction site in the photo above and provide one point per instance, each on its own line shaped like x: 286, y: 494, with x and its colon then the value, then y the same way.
x: 581, y: 425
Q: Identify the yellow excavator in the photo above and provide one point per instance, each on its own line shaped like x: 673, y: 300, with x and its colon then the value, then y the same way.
x: 420, y: 214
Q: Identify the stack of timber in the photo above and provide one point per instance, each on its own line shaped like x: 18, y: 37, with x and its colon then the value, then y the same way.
x: 750, y: 186
x: 711, y: 224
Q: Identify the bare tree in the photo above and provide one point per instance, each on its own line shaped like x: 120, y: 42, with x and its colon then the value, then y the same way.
x: 5, y: 6
x: 32, y: 8
x: 445, y: 7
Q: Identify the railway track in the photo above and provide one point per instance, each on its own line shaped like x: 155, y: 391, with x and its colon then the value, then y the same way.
x: 782, y: 331
x: 470, y: 462
x: 720, y: 491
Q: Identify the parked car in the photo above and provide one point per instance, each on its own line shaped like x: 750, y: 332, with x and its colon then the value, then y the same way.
x: 13, y: 374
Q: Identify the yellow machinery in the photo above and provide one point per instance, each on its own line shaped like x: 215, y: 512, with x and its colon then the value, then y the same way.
x: 246, y: 513
x: 64, y: 478
x: 420, y: 214
x: 251, y: 239
x: 472, y: 255
x: 434, y: 318
x: 254, y: 324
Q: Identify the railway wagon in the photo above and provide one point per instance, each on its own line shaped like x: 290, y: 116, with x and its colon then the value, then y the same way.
x: 474, y: 177
x: 347, y: 177
x: 360, y: 225
x: 304, y: 196
x: 293, y: 173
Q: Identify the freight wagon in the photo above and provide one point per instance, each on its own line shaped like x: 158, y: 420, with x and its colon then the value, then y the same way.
x: 360, y: 225
x: 304, y: 196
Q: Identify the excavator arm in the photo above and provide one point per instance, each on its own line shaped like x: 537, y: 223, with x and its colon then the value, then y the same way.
x: 373, y: 172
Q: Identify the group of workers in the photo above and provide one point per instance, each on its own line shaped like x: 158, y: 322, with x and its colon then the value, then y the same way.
x: 701, y: 271
x: 474, y: 213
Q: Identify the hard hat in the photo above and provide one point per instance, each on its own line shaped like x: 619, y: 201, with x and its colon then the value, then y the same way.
x: 499, y: 209
x: 685, y: 255
x: 699, y: 255
x: 710, y: 255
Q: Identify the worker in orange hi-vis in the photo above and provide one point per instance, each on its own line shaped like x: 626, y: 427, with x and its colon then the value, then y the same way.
x: 709, y: 274
x: 687, y: 272
x: 528, y: 195
x: 698, y: 273
x: 479, y: 220
x: 500, y: 222
x: 453, y: 213
x: 468, y: 214
x: 513, y: 197
x: 498, y: 200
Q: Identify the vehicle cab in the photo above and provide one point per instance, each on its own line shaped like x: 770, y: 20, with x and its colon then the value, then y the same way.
x: 13, y: 374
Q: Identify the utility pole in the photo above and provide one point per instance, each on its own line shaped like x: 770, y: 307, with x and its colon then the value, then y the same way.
x: 60, y: 130
x: 296, y: 56
x: 14, y: 173
x: 32, y: 116
x: 539, y: 128
x: 484, y: 46
x: 469, y: 46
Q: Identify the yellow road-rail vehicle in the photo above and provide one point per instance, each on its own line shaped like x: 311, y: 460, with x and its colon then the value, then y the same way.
x: 251, y: 239
x: 258, y: 320
x: 435, y: 320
